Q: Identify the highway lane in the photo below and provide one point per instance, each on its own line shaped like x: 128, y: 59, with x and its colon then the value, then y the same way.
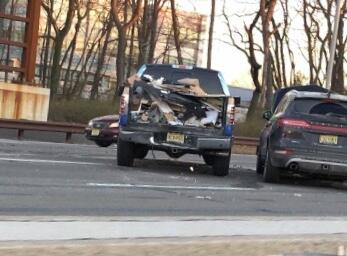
x: 52, y: 179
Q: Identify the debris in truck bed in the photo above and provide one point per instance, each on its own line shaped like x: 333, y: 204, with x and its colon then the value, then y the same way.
x: 194, y: 87
x: 211, y: 118
x: 182, y: 103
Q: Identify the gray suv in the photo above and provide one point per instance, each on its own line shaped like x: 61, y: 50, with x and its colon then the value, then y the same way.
x: 178, y: 110
x: 306, y: 134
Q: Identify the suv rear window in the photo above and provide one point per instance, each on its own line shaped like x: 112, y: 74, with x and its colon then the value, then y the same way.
x: 324, y: 107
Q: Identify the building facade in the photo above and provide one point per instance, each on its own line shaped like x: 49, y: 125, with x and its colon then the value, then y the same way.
x: 83, y: 65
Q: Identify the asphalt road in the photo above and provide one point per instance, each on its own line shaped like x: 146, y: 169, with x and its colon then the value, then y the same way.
x: 53, y: 179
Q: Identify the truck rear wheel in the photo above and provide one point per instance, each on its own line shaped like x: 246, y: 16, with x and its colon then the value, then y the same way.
x: 221, y: 165
x: 125, y: 153
x: 141, y: 151
x: 209, y: 159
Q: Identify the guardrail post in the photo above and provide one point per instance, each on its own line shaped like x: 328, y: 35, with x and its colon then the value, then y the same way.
x: 20, y: 134
x: 68, y: 137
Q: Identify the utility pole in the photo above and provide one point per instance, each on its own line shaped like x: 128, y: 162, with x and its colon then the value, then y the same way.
x: 333, y: 44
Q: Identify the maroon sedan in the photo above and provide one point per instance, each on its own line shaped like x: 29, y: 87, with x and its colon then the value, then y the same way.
x: 103, y: 130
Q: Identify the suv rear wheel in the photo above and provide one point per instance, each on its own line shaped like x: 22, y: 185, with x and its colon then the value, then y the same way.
x: 271, y: 173
x: 221, y: 165
x: 260, y: 165
x: 125, y: 153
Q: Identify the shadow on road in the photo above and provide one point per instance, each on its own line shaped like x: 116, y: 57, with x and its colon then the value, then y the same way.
x: 173, y: 167
x: 311, y: 182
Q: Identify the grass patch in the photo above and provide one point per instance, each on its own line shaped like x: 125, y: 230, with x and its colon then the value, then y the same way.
x: 250, y: 128
x: 80, y: 111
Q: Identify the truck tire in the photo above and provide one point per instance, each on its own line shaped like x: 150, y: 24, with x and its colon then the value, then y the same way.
x: 141, y: 151
x: 209, y: 159
x: 125, y: 153
x: 175, y: 155
x: 221, y: 165
x: 271, y: 173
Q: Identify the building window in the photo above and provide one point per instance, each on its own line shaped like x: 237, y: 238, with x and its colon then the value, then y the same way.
x: 13, y: 23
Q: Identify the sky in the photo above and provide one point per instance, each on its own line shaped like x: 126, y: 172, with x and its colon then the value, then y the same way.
x: 226, y: 58
x: 230, y: 61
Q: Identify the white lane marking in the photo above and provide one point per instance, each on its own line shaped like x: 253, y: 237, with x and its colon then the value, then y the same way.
x: 204, y: 197
x: 15, y: 154
x: 46, y: 161
x: 110, y: 185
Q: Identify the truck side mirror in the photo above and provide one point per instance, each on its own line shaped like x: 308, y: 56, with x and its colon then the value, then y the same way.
x: 267, y: 115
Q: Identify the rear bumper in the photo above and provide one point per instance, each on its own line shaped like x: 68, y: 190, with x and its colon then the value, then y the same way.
x: 317, y: 166
x: 202, y: 144
x: 309, y: 163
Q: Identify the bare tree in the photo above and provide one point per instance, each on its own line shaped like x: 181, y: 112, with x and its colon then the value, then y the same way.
x: 210, y: 37
x: 248, y: 47
x: 120, y: 11
x: 60, y: 34
x: 282, y: 53
x: 266, y: 10
x: 148, y: 30
x: 155, y: 28
x: 338, y: 77
x: 101, y: 58
x: 176, y: 32
x: 71, y: 51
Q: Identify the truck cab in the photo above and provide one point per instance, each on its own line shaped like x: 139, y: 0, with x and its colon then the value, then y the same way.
x: 179, y: 110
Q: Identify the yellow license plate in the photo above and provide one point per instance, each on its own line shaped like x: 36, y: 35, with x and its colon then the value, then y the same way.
x: 175, y: 137
x: 95, y: 132
x: 329, y: 140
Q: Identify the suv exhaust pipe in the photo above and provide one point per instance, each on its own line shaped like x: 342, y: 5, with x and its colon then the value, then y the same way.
x: 175, y: 151
x: 294, y: 167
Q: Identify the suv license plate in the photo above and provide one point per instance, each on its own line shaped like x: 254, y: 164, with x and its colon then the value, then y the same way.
x: 328, y: 140
x: 95, y: 132
x: 175, y: 137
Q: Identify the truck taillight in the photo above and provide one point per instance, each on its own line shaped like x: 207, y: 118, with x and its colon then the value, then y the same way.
x: 230, y: 122
x: 231, y: 110
x: 231, y: 115
x: 122, y: 105
x: 123, y: 108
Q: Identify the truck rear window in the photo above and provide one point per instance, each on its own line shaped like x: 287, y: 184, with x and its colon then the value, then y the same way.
x: 209, y: 80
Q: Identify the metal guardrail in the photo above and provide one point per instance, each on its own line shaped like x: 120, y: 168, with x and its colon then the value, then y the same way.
x: 23, y: 125
x: 246, y: 141
x: 69, y: 129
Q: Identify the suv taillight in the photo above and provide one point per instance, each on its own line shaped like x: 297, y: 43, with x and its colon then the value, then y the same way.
x: 292, y: 122
x: 300, y: 123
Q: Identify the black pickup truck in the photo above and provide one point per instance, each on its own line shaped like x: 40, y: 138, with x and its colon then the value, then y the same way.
x: 179, y: 110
